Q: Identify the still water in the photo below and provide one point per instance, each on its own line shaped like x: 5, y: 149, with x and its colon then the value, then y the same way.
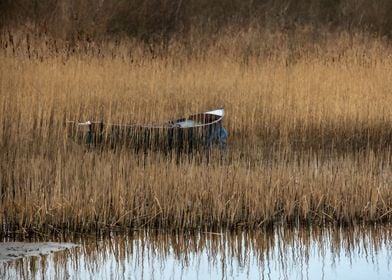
x: 306, y: 253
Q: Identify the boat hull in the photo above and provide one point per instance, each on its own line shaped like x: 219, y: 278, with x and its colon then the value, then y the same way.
x: 198, y: 131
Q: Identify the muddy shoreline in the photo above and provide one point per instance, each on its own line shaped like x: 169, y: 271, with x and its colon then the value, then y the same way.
x: 10, y: 251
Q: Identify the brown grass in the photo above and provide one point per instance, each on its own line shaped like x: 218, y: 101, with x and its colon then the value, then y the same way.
x: 310, y: 137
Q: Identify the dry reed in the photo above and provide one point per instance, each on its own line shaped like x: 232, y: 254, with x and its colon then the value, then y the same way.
x: 310, y: 138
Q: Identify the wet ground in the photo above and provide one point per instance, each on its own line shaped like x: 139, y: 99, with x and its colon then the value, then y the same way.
x: 16, y: 250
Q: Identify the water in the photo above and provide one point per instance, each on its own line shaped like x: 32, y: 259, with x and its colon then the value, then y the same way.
x: 308, y: 253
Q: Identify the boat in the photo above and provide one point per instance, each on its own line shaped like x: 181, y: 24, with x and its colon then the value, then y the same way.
x: 202, y: 130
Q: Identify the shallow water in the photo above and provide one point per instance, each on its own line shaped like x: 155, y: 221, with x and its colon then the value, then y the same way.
x: 307, y: 253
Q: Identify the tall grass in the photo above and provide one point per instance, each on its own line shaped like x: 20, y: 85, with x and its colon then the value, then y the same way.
x: 310, y: 136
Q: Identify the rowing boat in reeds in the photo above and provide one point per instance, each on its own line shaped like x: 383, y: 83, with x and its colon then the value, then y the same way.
x: 203, y: 130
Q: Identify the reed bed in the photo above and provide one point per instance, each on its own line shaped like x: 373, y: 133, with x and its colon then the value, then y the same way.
x: 310, y: 139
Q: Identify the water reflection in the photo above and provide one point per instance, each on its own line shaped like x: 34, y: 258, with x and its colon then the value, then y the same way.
x: 306, y: 253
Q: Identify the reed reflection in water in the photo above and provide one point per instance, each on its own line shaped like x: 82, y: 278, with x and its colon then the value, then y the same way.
x: 305, y: 253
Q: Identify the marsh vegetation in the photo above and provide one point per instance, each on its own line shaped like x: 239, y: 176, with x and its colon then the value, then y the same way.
x: 305, y: 86
x: 310, y: 133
